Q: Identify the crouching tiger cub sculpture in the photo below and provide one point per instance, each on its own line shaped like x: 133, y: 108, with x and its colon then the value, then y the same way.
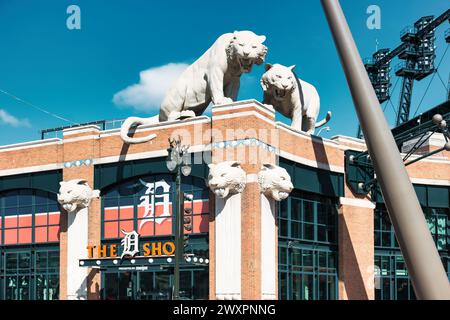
x: 214, y: 77
x: 292, y: 97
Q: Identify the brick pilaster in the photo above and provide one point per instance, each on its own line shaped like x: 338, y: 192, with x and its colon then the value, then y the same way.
x: 80, y: 144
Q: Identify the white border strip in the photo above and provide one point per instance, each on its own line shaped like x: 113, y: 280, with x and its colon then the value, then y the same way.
x: 145, y: 155
x: 78, y: 130
x: 311, y: 163
x: 252, y: 177
x: 432, y: 182
x: 435, y: 159
x: 161, y: 125
x: 46, y: 167
x: 244, y: 114
x: 313, y: 138
x: 30, y: 144
x: 362, y: 203
x: 349, y: 139
x: 82, y: 138
x: 242, y: 105
x: 305, y: 135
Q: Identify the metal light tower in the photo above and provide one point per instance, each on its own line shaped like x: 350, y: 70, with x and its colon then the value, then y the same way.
x: 380, y: 77
x: 419, y: 251
x: 418, y: 52
x: 418, y: 55
x: 448, y: 88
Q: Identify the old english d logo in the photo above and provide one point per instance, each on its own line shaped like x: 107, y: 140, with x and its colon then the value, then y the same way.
x: 130, y: 244
x: 159, y: 189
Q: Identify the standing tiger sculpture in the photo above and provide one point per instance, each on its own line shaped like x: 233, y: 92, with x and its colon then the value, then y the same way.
x: 292, y: 97
x: 214, y: 77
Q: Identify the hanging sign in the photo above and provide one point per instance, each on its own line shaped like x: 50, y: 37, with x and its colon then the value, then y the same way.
x: 130, y: 248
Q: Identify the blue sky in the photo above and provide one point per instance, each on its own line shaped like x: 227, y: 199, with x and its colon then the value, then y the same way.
x: 76, y: 73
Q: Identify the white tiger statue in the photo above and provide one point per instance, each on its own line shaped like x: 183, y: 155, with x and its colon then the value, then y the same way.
x: 281, y: 90
x: 274, y: 182
x: 76, y: 194
x: 226, y: 178
x: 214, y: 77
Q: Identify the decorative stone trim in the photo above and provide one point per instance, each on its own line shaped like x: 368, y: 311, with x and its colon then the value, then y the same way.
x: 248, y: 142
x: 354, y: 202
x: 78, y: 163
x: 30, y: 144
x: 242, y: 104
x: 80, y: 129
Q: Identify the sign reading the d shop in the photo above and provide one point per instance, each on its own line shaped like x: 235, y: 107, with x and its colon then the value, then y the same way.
x: 130, y: 247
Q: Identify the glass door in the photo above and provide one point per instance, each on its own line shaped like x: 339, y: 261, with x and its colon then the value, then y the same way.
x: 155, y: 285
x: 311, y: 274
x: 119, y: 285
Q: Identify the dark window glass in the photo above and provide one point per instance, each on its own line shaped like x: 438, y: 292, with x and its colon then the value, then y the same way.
x: 10, y: 211
x: 282, y: 255
x: 283, y: 209
x: 296, y: 209
x: 24, y: 214
x: 201, y: 285
x: 283, y: 229
x: 11, y: 199
x: 185, y: 284
x: 322, y: 233
x: 28, y: 276
x: 308, y: 211
x: 41, y: 197
x: 24, y: 260
x: 393, y: 281
x: 296, y: 230
x: 282, y: 286
x: 25, y: 198
x: 308, y: 231
x: 332, y: 288
x: 323, y: 211
x: 296, y: 258
x: 11, y: 261
x: 307, y: 255
x: 323, y: 287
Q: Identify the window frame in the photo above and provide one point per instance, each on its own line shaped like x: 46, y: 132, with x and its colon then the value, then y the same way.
x: 287, y: 244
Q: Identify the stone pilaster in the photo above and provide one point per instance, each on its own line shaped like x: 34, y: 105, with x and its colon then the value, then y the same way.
x: 80, y: 147
x: 243, y: 131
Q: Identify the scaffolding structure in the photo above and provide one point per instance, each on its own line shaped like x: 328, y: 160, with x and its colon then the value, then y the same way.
x: 417, y: 52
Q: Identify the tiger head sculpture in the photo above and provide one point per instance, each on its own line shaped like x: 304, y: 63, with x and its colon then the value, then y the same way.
x: 274, y: 182
x: 76, y: 194
x: 226, y: 178
x: 246, y: 49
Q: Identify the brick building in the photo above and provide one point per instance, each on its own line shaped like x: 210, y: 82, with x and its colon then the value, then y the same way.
x: 325, y: 242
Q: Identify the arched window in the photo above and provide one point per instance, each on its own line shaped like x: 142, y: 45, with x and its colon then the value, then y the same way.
x: 146, y: 205
x: 29, y: 236
x: 29, y: 216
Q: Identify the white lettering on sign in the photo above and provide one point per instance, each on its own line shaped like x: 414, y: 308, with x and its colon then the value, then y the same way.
x: 130, y: 244
x: 148, y: 201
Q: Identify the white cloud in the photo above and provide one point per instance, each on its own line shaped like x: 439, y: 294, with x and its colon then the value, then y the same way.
x: 9, y: 119
x: 153, y: 85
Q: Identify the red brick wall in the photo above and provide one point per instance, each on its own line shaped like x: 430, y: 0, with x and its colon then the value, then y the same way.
x: 355, y: 223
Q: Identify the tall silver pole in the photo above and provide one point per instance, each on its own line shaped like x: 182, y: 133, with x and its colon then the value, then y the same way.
x: 422, y: 259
